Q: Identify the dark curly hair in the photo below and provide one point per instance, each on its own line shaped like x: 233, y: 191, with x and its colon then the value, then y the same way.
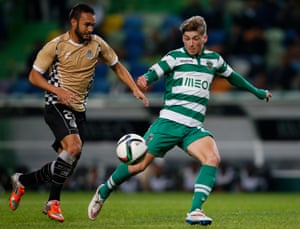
x: 80, y: 8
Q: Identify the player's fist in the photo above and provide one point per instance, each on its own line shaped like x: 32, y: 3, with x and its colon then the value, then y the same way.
x: 268, y: 95
x: 142, y: 83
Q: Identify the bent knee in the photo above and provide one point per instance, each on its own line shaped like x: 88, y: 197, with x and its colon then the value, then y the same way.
x: 72, y: 144
x: 74, y: 149
x: 213, y: 160
x: 137, y: 168
x: 216, y: 159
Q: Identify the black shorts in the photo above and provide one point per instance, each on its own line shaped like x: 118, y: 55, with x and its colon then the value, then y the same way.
x: 63, y: 121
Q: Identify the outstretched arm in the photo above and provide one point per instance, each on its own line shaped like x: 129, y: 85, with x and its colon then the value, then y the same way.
x: 238, y: 81
x: 126, y: 78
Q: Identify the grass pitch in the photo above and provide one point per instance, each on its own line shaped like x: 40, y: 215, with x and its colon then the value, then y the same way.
x: 158, y: 210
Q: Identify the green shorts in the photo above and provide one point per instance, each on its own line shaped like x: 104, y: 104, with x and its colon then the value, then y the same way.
x: 164, y: 134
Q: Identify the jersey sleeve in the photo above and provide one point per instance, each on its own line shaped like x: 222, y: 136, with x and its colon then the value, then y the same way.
x: 159, y: 69
x: 240, y: 82
x: 223, y: 68
x: 107, y: 54
x: 45, y: 57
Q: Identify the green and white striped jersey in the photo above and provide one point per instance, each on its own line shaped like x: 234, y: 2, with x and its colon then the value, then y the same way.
x: 188, y: 81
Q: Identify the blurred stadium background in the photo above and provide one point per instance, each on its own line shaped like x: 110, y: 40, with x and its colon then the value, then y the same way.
x: 257, y: 141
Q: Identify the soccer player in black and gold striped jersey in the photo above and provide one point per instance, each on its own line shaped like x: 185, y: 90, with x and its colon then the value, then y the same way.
x: 69, y: 62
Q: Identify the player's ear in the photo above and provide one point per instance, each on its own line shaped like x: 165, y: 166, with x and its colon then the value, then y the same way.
x: 204, y: 38
x: 73, y: 22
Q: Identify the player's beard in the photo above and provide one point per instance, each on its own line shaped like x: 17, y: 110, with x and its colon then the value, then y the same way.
x: 80, y: 36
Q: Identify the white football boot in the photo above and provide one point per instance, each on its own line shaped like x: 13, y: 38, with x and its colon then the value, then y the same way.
x: 95, y: 204
x: 198, y: 217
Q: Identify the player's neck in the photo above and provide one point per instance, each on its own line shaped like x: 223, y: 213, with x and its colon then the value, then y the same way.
x: 74, y: 38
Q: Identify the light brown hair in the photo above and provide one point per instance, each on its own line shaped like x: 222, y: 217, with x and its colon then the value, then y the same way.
x: 195, y: 23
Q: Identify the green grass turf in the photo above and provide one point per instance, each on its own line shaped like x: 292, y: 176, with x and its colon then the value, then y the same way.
x: 158, y: 210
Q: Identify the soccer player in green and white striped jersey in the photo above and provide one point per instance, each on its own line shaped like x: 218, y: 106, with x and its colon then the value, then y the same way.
x: 188, y: 72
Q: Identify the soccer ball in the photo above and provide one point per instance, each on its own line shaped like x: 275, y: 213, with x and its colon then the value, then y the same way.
x: 131, y: 148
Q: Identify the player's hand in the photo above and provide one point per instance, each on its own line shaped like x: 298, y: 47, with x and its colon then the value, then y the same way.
x: 268, y: 96
x: 140, y: 95
x: 142, y: 83
x: 65, y: 96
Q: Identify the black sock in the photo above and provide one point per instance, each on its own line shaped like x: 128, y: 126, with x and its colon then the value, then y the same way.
x: 28, y: 179
x: 55, y: 191
x: 38, y: 177
x: 61, y: 171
